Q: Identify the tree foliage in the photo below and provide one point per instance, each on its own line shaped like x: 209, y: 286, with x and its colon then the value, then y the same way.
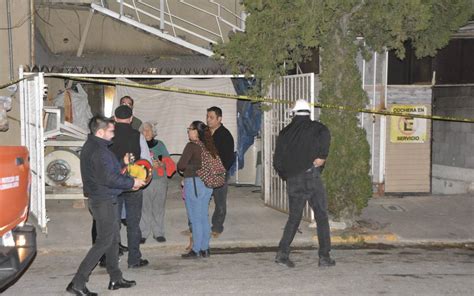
x: 282, y: 33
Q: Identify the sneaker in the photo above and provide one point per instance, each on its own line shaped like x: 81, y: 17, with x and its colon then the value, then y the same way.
x: 141, y: 263
x: 191, y: 255
x: 215, y: 234
x: 205, y: 253
x: 326, y: 262
x: 285, y: 262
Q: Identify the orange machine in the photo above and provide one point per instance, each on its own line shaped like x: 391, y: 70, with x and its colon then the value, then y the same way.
x: 17, y: 239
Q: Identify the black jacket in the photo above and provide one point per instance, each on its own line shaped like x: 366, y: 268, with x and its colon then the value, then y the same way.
x: 225, y: 146
x: 100, y: 170
x: 126, y: 140
x: 299, y: 144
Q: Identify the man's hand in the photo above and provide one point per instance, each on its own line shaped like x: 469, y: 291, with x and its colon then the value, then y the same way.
x: 319, y: 162
x: 138, y: 183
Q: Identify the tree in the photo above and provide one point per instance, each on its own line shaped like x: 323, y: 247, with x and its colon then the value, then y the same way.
x: 282, y: 33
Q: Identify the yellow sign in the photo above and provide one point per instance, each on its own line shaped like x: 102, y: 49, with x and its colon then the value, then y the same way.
x: 407, y: 129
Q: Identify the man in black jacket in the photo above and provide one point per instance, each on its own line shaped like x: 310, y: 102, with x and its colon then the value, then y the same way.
x: 102, y: 183
x: 225, y: 146
x: 129, y: 141
x: 300, y: 153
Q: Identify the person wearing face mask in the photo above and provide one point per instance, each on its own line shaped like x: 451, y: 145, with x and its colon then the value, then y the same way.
x: 224, y: 143
x: 136, y: 122
x: 196, y: 194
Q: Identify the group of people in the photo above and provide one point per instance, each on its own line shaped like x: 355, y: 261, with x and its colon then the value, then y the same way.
x: 109, y: 190
x: 301, y: 151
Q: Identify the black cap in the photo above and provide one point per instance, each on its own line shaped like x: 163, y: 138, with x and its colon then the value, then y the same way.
x: 123, y: 112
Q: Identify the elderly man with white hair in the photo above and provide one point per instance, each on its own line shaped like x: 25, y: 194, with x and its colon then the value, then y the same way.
x: 154, y: 196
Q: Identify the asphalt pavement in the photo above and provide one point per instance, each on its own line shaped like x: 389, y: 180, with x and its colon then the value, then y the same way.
x: 411, y: 245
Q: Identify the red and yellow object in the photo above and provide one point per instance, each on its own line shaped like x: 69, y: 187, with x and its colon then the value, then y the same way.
x: 141, y: 169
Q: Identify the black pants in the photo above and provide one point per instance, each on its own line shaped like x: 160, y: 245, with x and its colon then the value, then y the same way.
x: 220, y: 210
x: 104, y: 212
x: 303, y: 187
x: 133, y: 205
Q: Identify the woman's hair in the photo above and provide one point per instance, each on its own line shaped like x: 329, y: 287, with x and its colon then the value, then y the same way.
x: 205, y: 136
x: 151, y: 125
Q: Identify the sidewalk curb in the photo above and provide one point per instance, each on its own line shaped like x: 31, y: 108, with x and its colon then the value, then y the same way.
x: 344, y: 239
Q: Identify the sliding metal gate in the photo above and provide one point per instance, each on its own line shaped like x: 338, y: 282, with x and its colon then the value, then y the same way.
x: 289, y: 88
x: 31, y: 105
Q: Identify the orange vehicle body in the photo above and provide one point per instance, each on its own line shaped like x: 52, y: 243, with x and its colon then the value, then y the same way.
x: 17, y: 238
x: 14, y: 187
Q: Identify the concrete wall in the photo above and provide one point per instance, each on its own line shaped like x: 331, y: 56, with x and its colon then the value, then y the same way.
x: 20, y: 20
x: 62, y: 27
x: 453, y: 142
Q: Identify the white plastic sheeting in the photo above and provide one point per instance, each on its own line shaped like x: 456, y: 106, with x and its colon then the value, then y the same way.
x: 173, y: 112
x: 81, y: 111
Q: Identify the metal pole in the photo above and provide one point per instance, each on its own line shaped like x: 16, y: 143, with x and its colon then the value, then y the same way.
x: 373, y: 118
x: 121, y: 8
x: 32, y: 33
x: 10, y: 39
x: 85, y: 33
x: 162, y: 14
x: 243, y: 16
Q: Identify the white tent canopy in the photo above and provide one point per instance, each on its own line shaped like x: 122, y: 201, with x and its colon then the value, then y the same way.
x: 173, y: 112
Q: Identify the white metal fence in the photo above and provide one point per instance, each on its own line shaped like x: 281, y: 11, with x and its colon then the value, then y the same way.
x: 31, y: 105
x: 289, y: 88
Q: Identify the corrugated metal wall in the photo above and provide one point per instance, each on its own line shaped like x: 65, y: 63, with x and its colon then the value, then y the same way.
x: 408, y: 165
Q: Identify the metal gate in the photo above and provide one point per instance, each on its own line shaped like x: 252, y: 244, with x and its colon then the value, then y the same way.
x: 288, y: 88
x: 31, y: 106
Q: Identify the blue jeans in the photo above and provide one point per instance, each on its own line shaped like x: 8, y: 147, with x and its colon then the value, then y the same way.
x: 197, y: 205
x: 306, y: 186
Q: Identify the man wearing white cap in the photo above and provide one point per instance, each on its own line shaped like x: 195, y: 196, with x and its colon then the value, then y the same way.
x: 300, y: 154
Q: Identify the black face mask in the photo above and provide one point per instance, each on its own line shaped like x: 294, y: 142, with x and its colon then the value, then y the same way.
x: 152, y: 143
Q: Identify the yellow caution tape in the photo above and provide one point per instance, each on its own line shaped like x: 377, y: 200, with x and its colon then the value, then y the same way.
x: 249, y: 98
x: 11, y: 83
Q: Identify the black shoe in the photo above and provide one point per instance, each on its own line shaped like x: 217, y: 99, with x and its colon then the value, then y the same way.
x: 142, y: 240
x: 141, y: 263
x: 326, y: 262
x: 70, y: 288
x: 124, y: 222
x: 205, y: 253
x: 123, y: 248
x: 123, y: 283
x: 284, y: 261
x: 160, y: 239
x: 191, y: 255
